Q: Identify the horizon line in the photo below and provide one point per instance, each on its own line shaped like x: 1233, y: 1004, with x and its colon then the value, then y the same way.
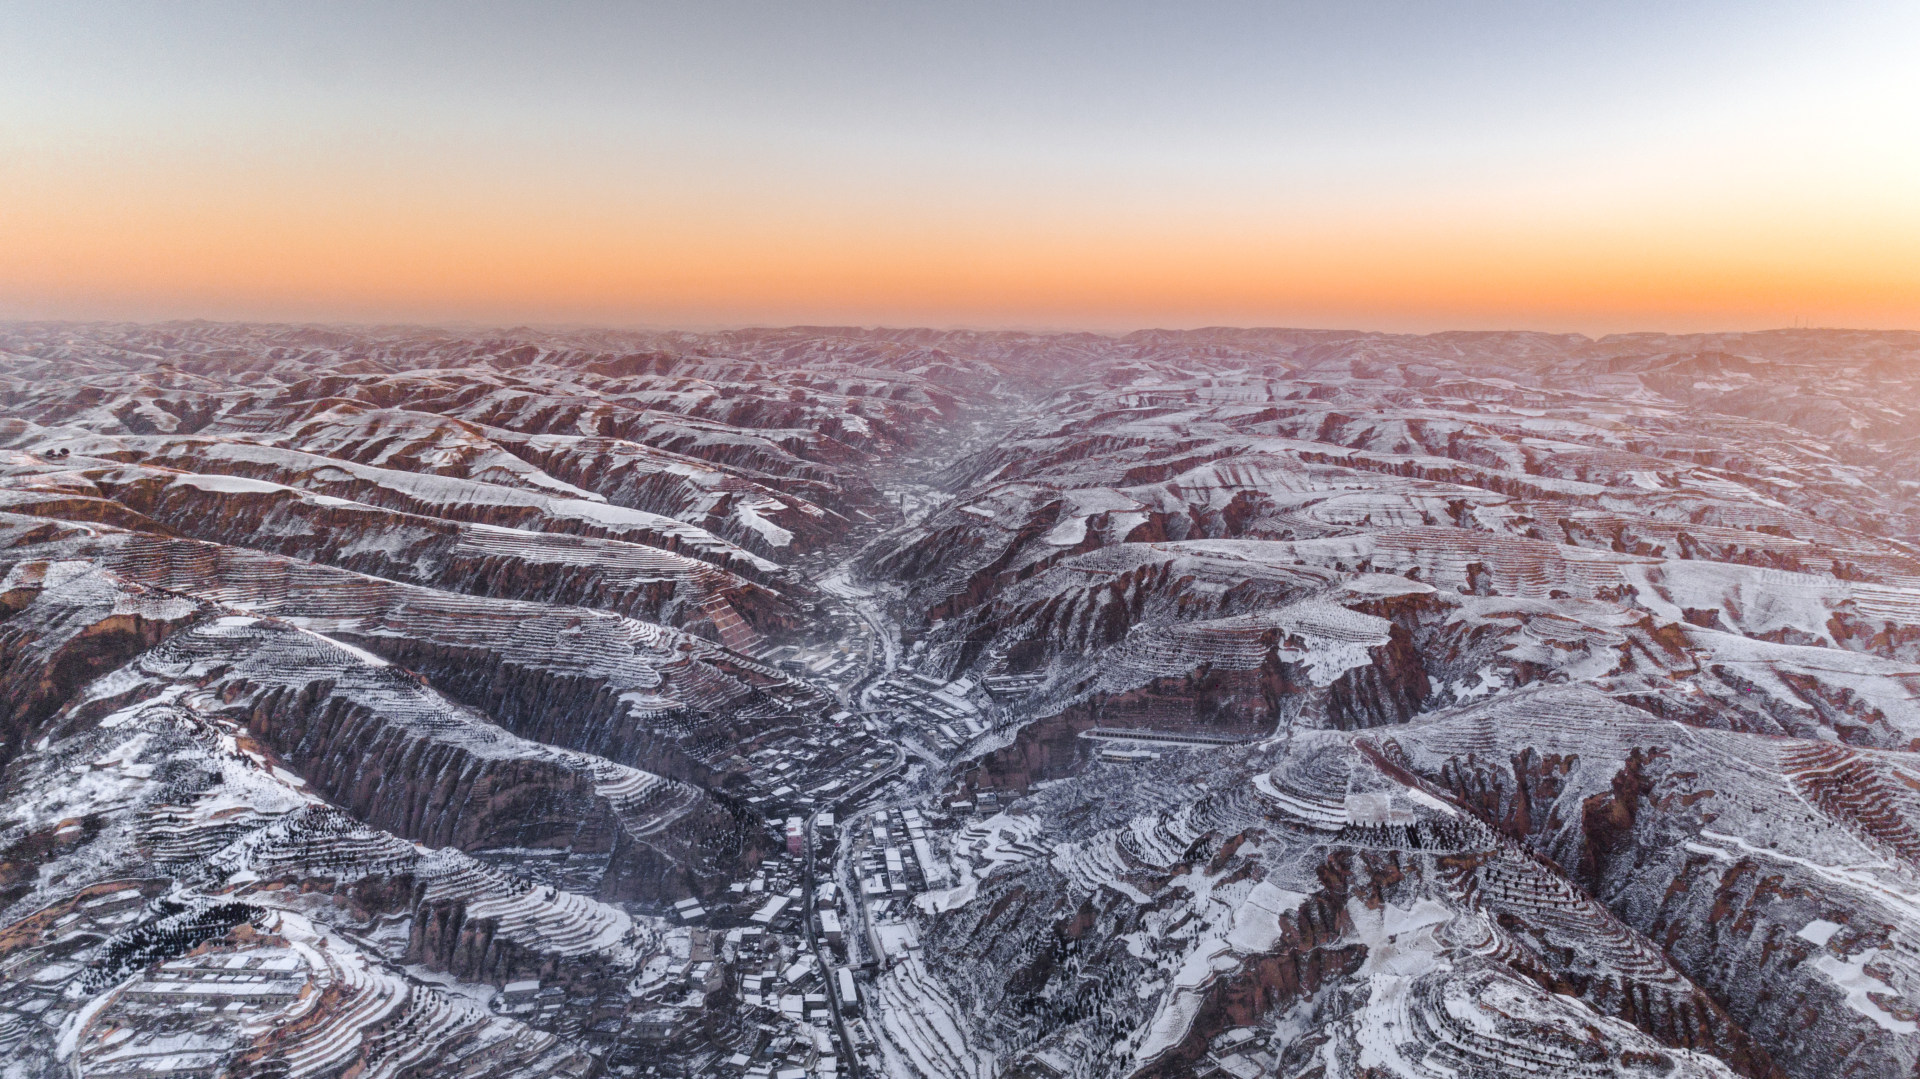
x: 522, y: 326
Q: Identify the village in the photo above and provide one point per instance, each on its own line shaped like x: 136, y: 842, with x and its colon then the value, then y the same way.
x: 790, y: 954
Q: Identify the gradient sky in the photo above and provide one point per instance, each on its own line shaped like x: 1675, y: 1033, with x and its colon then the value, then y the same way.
x: 1418, y: 166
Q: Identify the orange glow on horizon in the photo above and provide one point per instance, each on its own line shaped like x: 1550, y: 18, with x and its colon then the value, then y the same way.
x: 362, y: 258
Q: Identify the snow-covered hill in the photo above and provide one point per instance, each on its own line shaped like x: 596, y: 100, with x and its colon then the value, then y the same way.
x: 840, y: 702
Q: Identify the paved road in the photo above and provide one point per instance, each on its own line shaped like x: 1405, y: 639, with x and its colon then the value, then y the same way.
x: 824, y: 956
x: 839, y: 583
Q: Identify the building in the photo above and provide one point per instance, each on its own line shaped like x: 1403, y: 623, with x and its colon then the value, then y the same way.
x: 766, y: 914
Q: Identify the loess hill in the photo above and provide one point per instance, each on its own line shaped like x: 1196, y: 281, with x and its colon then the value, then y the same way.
x: 1221, y: 703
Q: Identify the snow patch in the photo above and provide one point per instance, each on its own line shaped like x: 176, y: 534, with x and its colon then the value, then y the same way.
x: 1068, y: 533
x: 1819, y: 931
x: 1851, y: 976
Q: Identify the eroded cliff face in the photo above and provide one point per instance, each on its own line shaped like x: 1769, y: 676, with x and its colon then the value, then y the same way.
x: 1222, y: 703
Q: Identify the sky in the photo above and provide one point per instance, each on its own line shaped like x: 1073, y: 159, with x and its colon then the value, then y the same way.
x: 1589, y: 167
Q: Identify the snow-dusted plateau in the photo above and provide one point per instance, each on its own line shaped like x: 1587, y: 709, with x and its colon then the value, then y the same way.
x: 854, y: 704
